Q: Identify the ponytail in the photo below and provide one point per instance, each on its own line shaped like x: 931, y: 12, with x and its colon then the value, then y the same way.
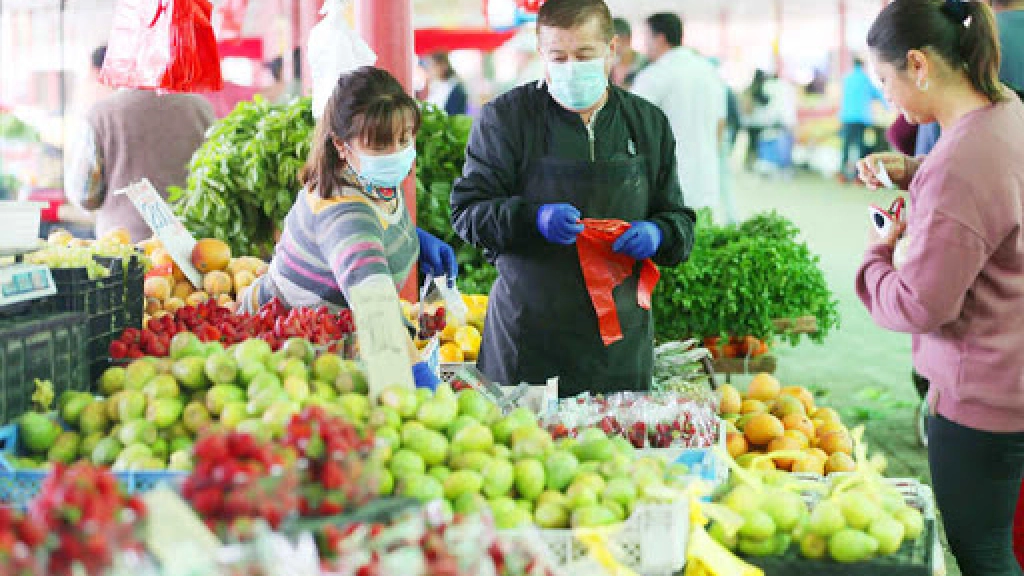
x: 979, y: 47
x: 961, y: 32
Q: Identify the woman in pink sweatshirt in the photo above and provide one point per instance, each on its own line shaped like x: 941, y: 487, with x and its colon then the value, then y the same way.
x: 960, y: 287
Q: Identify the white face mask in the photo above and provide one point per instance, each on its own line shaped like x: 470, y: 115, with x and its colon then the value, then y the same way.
x: 578, y: 85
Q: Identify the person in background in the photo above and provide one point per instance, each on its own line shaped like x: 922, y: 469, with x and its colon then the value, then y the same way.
x: 541, y: 159
x: 960, y: 288
x: 128, y: 136
x: 686, y: 87
x: 350, y: 224
x: 628, y: 62
x: 728, y: 143
x: 276, y: 92
x: 444, y: 89
x: 856, y: 116
x: 757, y: 115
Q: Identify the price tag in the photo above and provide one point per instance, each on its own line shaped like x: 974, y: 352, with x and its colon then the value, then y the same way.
x: 166, y: 227
x: 383, y: 339
x: 178, y: 533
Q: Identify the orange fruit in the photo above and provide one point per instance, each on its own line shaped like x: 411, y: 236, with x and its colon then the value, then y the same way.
x: 762, y: 429
x: 836, y: 442
x: 786, y: 405
x: 211, y: 254
x: 217, y: 283
x: 840, y: 462
x: 731, y: 401
x: 811, y: 464
x: 182, y: 289
x: 802, y: 394
x: 448, y: 334
x: 783, y: 443
x: 800, y: 423
x: 158, y: 287
x: 736, y: 444
x: 752, y: 407
x: 764, y: 387
x: 799, y: 437
x: 451, y: 353
x: 826, y: 414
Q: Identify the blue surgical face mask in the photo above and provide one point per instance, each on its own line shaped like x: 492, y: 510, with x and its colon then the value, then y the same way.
x: 578, y: 85
x: 387, y: 171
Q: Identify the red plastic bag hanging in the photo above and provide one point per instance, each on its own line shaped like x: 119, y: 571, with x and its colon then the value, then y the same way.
x: 604, y: 270
x: 165, y: 45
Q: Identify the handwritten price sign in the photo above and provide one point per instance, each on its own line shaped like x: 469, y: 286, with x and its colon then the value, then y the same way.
x: 166, y: 227
x: 383, y: 339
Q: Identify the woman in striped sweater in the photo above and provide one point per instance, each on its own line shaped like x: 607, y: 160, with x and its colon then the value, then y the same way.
x: 349, y: 223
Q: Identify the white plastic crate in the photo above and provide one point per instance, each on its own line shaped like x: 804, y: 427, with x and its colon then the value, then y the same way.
x: 21, y: 225
x: 650, y: 542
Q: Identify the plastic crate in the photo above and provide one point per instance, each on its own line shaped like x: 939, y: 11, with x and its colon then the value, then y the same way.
x: 450, y: 369
x: 19, y: 487
x: 49, y: 347
x: 133, y: 300
x: 916, y: 558
x: 102, y: 301
x: 652, y: 541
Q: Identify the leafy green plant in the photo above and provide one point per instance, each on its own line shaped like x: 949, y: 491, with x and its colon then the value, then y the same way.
x: 244, y: 179
x: 441, y: 153
x: 12, y: 128
x: 741, y: 278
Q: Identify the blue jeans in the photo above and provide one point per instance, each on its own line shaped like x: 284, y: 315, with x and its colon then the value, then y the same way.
x: 976, y: 476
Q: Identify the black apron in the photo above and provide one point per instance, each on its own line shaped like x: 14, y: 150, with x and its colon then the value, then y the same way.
x: 541, y: 322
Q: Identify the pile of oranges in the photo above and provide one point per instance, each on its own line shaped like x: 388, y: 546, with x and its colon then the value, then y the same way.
x: 770, y: 418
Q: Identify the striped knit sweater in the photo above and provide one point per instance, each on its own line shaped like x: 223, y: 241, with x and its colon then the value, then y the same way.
x: 328, y: 246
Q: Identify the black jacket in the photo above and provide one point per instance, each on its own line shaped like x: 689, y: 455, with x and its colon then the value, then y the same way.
x: 487, y: 209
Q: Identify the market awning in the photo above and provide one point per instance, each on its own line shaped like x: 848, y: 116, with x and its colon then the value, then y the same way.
x: 430, y: 40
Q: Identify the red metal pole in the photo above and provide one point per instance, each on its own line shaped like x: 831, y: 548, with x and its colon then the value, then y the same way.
x: 386, y: 25
x: 723, y: 34
x: 778, y: 37
x: 845, y: 59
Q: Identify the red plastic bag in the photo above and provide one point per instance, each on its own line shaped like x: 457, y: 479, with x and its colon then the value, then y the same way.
x: 1018, y: 529
x: 604, y: 270
x: 165, y: 45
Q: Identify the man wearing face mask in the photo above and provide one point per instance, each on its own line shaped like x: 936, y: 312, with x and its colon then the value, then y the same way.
x: 540, y: 159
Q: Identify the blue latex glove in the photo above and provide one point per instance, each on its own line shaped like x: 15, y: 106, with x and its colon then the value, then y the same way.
x: 640, y: 242
x: 436, y: 257
x: 424, y: 376
x: 559, y: 223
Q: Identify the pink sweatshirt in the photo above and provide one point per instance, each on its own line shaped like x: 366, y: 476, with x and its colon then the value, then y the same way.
x: 960, y: 291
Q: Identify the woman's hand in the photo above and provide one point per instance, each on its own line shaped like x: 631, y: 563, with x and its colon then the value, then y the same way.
x: 899, y: 167
x: 436, y: 257
x: 895, y: 233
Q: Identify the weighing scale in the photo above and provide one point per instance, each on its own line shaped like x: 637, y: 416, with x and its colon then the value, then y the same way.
x: 21, y: 282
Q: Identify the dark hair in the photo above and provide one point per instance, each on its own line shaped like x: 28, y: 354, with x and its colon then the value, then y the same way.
x: 858, y: 62
x: 668, y: 25
x: 622, y: 27
x: 98, y: 56
x: 568, y: 14
x: 757, y: 91
x: 962, y: 33
x: 367, y: 103
x: 442, y: 60
x: 276, y: 68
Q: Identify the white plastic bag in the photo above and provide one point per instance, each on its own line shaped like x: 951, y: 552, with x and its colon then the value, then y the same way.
x: 333, y: 50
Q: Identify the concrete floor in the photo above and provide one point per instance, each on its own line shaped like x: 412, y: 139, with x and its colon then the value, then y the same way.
x: 861, y: 369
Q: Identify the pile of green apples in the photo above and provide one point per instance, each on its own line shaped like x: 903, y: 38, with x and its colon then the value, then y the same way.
x: 461, y: 450
x: 151, y: 411
x: 854, y: 522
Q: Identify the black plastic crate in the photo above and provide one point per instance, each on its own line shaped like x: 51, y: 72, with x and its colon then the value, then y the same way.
x: 132, y: 273
x: 913, y: 559
x: 45, y: 346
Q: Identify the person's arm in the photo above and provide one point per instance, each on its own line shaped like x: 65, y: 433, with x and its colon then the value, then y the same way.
x: 667, y: 208
x: 943, y: 260
x: 84, y: 184
x: 487, y: 210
